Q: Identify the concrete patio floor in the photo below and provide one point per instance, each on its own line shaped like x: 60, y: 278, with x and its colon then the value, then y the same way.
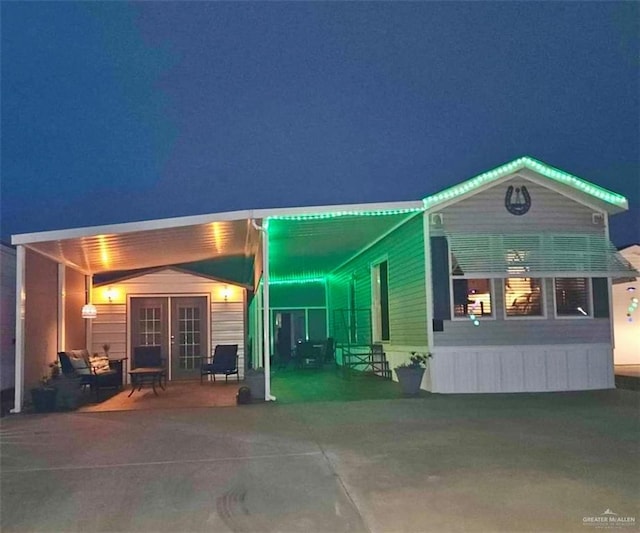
x: 529, y: 462
x: 289, y: 386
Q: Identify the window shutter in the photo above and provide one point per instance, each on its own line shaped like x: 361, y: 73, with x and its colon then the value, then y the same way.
x: 600, y: 287
x: 440, y: 278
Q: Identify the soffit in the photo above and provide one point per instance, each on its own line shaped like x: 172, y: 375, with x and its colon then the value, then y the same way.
x: 107, y: 252
x: 315, y: 247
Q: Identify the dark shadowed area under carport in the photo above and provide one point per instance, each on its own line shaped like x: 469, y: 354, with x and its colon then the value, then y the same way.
x: 528, y: 462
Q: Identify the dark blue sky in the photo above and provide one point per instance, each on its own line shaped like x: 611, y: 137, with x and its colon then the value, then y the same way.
x: 115, y: 112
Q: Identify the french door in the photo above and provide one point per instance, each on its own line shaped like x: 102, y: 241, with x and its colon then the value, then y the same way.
x: 178, y: 324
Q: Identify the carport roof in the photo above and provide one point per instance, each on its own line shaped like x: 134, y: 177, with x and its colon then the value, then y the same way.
x: 304, y: 241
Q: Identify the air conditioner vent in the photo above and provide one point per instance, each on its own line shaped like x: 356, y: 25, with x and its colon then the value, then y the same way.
x: 597, y: 219
x: 437, y: 220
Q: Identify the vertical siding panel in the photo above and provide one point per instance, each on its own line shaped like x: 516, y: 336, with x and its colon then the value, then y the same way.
x: 535, y: 372
x: 578, y: 371
x: 557, y: 378
x: 511, y: 370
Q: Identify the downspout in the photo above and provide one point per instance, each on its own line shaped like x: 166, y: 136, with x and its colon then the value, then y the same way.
x: 20, y: 321
x: 266, y: 313
x: 62, y: 296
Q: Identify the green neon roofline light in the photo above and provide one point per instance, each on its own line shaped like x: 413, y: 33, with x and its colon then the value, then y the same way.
x: 532, y: 164
x: 296, y: 280
x: 336, y: 214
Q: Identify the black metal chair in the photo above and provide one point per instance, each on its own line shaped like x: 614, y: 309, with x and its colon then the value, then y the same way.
x: 225, y: 361
x: 149, y: 357
x: 310, y: 354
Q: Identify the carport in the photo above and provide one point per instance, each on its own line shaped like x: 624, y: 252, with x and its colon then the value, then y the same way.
x: 253, y: 249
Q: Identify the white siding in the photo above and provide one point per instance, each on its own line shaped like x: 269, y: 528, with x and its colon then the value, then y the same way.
x: 522, y: 368
x: 550, y: 211
x: 227, y: 317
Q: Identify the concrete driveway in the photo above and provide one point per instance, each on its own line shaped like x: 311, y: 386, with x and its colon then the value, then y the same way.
x: 546, y: 462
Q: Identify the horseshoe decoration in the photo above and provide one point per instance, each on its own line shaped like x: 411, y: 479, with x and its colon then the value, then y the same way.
x: 522, y: 202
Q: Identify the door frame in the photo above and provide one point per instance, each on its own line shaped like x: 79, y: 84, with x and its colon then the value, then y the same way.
x: 168, y: 296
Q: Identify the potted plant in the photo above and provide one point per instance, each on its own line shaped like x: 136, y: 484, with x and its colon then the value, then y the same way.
x: 44, y: 395
x: 410, y: 373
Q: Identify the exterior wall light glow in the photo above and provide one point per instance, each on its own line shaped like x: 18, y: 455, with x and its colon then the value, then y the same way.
x: 89, y: 311
x: 110, y: 294
x: 226, y: 293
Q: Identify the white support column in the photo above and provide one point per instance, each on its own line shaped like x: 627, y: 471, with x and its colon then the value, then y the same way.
x: 612, y: 329
x: 62, y: 297
x: 266, y: 316
x: 428, y: 279
x: 88, y: 284
x: 20, y: 321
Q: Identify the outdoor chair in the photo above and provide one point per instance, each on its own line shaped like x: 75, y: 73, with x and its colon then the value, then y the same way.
x: 149, y: 357
x: 225, y: 361
x: 310, y: 354
x: 329, y: 350
x: 76, y: 364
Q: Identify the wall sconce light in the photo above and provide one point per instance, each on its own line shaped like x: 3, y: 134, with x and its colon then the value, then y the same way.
x: 110, y: 294
x: 89, y: 311
x: 226, y: 292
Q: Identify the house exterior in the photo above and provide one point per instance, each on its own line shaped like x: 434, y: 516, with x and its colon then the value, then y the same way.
x: 185, y: 313
x: 7, y: 316
x: 505, y: 278
x: 626, y: 313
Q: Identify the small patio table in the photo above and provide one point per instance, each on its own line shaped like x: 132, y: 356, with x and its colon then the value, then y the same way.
x: 142, y: 374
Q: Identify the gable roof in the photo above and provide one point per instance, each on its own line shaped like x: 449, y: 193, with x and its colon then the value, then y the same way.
x: 565, y: 183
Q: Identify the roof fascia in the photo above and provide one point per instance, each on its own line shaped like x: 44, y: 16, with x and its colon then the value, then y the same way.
x: 573, y: 194
x: 339, y: 210
x: 451, y: 201
x: 615, y: 202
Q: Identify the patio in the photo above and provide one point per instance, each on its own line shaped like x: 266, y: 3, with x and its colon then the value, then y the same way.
x: 289, y: 387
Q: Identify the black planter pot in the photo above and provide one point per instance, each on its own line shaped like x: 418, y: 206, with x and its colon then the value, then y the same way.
x: 44, y: 399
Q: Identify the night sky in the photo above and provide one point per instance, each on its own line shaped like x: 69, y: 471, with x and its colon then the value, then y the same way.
x: 115, y: 112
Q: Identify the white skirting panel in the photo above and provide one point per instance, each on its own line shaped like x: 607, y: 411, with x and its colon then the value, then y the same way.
x: 468, y: 369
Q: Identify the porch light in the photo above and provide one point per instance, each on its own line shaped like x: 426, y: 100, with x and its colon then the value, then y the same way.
x: 89, y: 311
x: 110, y: 294
x: 226, y: 292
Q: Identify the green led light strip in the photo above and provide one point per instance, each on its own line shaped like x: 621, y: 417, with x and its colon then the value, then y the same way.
x: 297, y: 280
x: 532, y: 164
x: 336, y: 214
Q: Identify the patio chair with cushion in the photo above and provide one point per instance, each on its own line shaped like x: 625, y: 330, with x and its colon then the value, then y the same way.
x: 95, y: 372
x: 225, y: 361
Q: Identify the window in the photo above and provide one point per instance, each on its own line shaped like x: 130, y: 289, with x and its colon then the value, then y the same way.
x: 380, y: 274
x: 572, y: 297
x: 472, y: 296
x: 523, y: 297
